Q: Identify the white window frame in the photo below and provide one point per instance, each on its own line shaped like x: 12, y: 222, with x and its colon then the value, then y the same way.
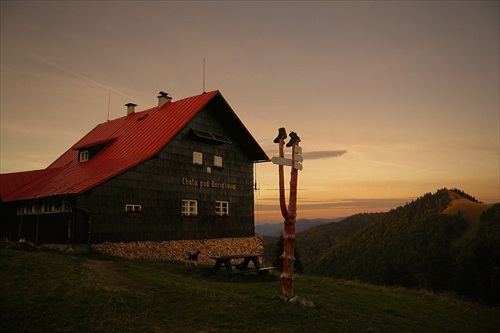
x: 83, y: 156
x: 222, y: 208
x: 197, y: 158
x: 46, y: 207
x: 189, y: 207
x: 130, y: 208
x: 218, y: 161
x: 43, y: 207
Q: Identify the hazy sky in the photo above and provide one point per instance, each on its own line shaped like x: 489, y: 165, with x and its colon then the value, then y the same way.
x: 391, y: 99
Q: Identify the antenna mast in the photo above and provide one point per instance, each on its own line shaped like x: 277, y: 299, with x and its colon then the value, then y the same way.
x: 109, y: 102
x: 204, y: 75
x: 256, y: 186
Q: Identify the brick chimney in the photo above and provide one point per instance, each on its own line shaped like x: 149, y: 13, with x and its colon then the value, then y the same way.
x: 163, y: 98
x: 130, y: 108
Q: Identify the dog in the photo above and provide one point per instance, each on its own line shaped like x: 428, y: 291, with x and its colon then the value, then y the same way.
x: 192, y: 258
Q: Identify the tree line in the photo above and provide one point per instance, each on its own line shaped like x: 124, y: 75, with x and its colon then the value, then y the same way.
x: 414, y: 246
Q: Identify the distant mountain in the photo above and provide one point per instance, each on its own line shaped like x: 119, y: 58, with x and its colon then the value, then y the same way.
x: 446, y: 241
x: 275, y: 229
x: 315, y: 242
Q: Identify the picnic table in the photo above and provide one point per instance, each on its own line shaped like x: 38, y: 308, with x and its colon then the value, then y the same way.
x: 241, y: 263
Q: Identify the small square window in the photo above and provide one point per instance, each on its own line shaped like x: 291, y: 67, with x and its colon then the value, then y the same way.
x: 133, y: 208
x: 197, y: 158
x: 218, y: 161
x: 189, y: 207
x: 84, y: 156
x: 221, y: 208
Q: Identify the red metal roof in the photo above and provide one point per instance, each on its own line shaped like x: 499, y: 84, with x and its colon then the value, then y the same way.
x: 9, y: 182
x: 130, y: 141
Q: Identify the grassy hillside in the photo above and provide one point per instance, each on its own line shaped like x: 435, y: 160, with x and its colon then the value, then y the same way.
x: 411, y: 254
x: 470, y: 212
x: 315, y: 242
x: 55, y: 292
x: 444, y: 241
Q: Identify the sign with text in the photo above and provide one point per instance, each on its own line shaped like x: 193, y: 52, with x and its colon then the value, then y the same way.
x: 206, y: 183
x: 286, y: 162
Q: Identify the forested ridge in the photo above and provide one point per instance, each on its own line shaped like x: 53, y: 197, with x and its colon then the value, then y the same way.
x: 414, y: 246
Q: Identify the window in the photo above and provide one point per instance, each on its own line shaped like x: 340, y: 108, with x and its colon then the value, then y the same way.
x: 87, y: 150
x: 218, y: 161
x: 44, y: 207
x: 197, y: 158
x: 222, y: 208
x: 84, y: 156
x: 189, y: 207
x: 133, y: 208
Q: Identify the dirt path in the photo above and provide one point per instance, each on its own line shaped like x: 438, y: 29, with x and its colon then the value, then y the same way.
x: 109, y: 270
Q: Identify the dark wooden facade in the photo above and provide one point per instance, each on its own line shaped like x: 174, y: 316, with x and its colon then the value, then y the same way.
x: 159, y: 185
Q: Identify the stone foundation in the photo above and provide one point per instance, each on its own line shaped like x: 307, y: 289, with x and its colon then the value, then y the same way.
x: 177, y: 250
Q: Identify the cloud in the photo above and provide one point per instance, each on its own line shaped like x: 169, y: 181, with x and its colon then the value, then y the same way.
x: 271, y: 149
x: 360, y: 204
x: 322, y: 154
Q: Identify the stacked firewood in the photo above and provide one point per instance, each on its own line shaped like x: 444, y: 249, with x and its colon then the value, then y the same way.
x: 177, y: 250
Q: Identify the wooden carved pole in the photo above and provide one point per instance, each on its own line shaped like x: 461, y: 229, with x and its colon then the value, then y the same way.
x: 289, y: 214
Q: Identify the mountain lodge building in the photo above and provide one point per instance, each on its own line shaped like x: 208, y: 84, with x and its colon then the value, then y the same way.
x: 181, y: 170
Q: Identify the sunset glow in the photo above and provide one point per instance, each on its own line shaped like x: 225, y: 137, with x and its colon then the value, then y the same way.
x: 391, y: 100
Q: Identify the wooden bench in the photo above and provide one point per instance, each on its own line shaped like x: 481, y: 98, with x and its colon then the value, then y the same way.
x: 241, y: 268
x: 260, y: 271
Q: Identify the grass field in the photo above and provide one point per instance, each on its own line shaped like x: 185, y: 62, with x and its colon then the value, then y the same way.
x: 471, y: 213
x: 58, y: 292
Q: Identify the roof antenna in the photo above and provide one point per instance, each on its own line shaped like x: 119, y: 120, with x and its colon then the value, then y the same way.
x: 256, y: 186
x: 204, y: 75
x: 109, y: 102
